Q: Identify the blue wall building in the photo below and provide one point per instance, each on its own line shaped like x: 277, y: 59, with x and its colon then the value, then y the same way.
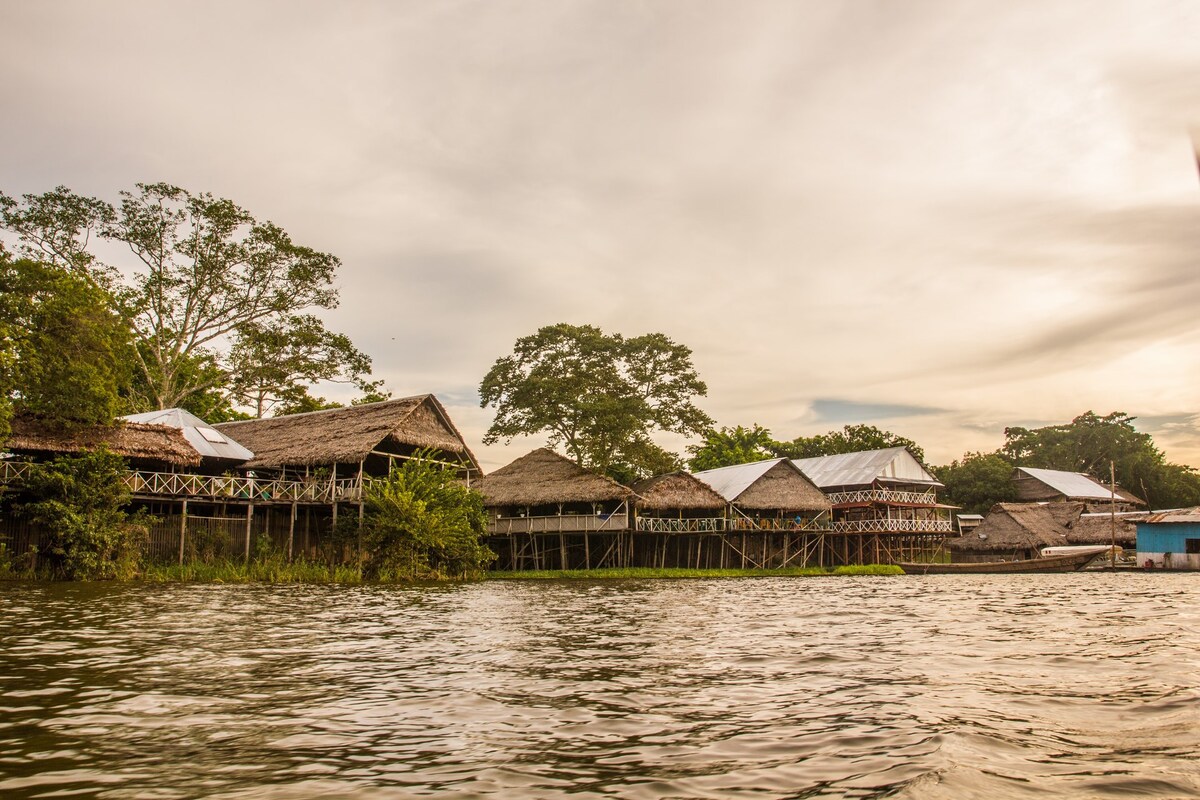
x: 1170, y: 539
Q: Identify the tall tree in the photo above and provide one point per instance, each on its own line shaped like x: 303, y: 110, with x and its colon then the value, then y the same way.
x: 67, y: 352
x: 1089, y: 442
x: 730, y: 446
x: 977, y: 482
x: 600, y: 396
x: 204, y: 274
x: 850, y: 439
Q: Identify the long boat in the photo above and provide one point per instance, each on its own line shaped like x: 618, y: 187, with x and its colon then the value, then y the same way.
x: 1070, y: 562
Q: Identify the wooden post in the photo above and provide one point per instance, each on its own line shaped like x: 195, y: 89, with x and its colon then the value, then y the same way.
x: 249, y: 519
x: 292, y: 531
x: 182, y: 530
x: 1112, y: 513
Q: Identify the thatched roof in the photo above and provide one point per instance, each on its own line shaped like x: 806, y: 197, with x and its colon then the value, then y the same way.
x: 1098, y: 528
x: 1015, y: 526
x: 542, y: 478
x: 129, y: 440
x: 676, y: 490
x: 772, y: 485
x: 203, y: 438
x: 348, y: 435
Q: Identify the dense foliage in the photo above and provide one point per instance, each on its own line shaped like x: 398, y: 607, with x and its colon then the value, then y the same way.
x: 421, y: 522
x: 78, y: 501
x: 977, y: 482
x: 216, y: 300
x: 850, y: 439
x: 600, y: 396
x: 729, y: 446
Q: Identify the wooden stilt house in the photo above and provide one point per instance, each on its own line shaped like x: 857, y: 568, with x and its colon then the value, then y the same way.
x: 679, y: 521
x: 777, y: 516
x: 1011, y: 532
x: 547, y: 512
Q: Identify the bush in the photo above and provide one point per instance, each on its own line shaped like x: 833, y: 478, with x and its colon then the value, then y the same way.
x: 422, y: 523
x: 78, y: 502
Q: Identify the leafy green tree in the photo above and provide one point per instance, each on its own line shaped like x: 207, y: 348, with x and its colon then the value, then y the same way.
x: 270, y: 362
x: 599, y: 396
x: 850, y: 439
x: 204, y: 274
x: 78, y: 503
x: 1089, y: 442
x: 977, y: 482
x: 421, y: 522
x: 66, y: 351
x: 730, y: 446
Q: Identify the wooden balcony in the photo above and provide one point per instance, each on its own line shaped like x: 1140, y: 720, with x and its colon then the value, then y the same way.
x: 670, y: 525
x: 893, y: 526
x: 885, y: 496
x: 564, y: 523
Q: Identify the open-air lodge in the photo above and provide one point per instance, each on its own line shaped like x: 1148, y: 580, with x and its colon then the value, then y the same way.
x: 216, y: 489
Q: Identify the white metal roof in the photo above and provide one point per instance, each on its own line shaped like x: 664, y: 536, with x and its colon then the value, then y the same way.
x: 865, y: 467
x: 1071, y: 485
x: 207, y: 440
x: 730, y: 482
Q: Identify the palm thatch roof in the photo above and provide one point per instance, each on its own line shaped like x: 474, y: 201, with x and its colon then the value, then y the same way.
x: 348, y: 435
x: 676, y: 490
x: 1098, y: 528
x: 1014, y: 526
x: 130, y: 440
x: 771, y: 485
x: 543, y: 478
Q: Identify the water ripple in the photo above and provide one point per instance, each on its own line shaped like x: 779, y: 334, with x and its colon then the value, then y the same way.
x: 939, y: 686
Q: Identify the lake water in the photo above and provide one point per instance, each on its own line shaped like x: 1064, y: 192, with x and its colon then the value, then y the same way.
x: 1079, y: 685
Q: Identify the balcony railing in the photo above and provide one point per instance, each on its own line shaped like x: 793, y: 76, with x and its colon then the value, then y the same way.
x: 883, y: 496
x: 894, y: 526
x: 779, y: 524
x: 218, y: 488
x: 565, y: 523
x: 666, y: 525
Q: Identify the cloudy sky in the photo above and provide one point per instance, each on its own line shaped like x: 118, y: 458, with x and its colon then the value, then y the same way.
x: 936, y: 217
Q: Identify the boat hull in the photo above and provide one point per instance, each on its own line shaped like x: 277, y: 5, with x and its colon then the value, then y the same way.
x: 1065, y: 563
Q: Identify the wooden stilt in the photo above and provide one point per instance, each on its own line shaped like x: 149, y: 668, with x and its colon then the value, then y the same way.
x: 182, y: 530
x: 249, y: 519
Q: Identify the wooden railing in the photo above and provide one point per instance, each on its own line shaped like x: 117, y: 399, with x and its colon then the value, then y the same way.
x: 668, y: 525
x: 893, y: 526
x: 779, y: 524
x: 218, y: 487
x: 883, y: 496
x: 564, y: 523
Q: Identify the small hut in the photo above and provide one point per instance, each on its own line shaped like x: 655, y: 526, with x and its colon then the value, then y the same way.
x: 547, y: 512
x: 678, y: 503
x: 1170, y: 539
x: 349, y: 443
x: 1011, y: 531
x: 769, y: 495
x: 543, y: 491
x: 147, y: 447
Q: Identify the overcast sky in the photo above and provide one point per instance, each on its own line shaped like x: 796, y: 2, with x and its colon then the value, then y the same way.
x: 941, y: 218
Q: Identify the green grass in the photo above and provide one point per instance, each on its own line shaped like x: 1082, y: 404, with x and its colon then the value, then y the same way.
x: 269, y: 571
x: 650, y: 572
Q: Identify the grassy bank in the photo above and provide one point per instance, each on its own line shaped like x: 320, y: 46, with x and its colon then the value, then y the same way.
x: 648, y: 572
x: 270, y: 571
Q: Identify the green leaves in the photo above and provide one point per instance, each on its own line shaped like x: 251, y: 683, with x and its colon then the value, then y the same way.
x: 599, y: 396
x: 730, y: 446
x: 421, y: 522
x: 850, y: 439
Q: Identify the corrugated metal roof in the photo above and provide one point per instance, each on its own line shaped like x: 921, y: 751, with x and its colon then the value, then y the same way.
x: 1071, y: 485
x: 865, y: 467
x: 207, y: 440
x: 1185, y: 515
x: 730, y: 482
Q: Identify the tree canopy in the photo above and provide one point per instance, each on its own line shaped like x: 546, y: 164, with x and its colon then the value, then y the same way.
x: 599, y: 396
x: 217, y: 300
x: 850, y: 439
x: 729, y: 446
x: 977, y: 482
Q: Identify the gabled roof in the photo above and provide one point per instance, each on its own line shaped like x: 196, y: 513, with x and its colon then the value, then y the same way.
x: 865, y: 467
x: 129, y: 440
x: 776, y: 483
x: 677, y: 490
x: 347, y: 435
x: 543, y: 477
x: 207, y: 440
x: 1074, y: 485
x: 1178, y: 515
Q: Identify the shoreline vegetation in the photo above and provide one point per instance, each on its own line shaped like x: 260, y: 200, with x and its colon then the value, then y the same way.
x: 279, y: 571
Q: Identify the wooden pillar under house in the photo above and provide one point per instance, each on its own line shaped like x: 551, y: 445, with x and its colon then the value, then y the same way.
x: 249, y: 520
x: 292, y: 531
x: 182, y: 530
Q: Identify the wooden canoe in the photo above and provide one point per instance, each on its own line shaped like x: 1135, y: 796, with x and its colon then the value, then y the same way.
x: 1065, y: 563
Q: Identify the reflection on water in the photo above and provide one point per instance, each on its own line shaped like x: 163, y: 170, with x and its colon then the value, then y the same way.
x: 941, y: 686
